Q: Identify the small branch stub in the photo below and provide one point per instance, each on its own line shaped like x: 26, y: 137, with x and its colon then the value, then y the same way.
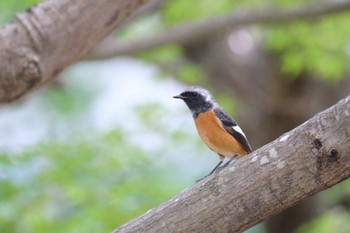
x: 317, y: 143
x: 333, y: 155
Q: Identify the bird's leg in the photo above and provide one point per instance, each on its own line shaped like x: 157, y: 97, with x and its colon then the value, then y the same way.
x: 230, y: 160
x: 215, y: 168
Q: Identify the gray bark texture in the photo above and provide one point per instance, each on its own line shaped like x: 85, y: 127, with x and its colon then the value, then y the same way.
x: 38, y: 44
x: 310, y: 158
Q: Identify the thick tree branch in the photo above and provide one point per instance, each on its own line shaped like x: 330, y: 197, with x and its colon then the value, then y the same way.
x: 41, y: 42
x: 300, y: 163
x: 187, y: 33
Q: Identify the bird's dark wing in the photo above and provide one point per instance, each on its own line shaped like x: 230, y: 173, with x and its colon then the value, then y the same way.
x: 232, y: 128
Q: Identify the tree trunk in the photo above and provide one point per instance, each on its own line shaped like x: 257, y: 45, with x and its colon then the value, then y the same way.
x: 41, y: 42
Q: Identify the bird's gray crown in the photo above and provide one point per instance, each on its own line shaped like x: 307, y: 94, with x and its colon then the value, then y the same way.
x: 197, y: 99
x: 205, y: 93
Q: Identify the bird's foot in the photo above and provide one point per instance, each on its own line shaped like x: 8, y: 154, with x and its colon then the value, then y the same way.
x: 220, y: 168
x: 233, y: 160
x: 202, y: 178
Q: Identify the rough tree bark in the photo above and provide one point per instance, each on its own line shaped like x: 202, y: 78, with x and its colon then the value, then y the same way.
x: 41, y: 42
x: 300, y: 163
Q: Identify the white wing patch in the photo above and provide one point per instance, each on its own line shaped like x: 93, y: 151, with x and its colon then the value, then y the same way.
x: 238, y: 130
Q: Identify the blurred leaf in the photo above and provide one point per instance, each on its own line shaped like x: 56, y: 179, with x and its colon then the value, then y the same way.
x: 334, y: 221
x: 163, y: 54
x: 318, y: 47
x: 182, y: 10
x: 191, y: 74
x: 292, y: 64
x: 179, y: 11
x: 227, y: 102
x: 71, y: 99
x: 9, y: 8
x: 143, y: 26
x: 103, y: 181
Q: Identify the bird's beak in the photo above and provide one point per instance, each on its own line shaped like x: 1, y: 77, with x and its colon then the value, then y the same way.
x: 179, y: 97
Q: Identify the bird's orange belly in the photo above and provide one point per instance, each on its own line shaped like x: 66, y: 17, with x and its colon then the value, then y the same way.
x: 216, y: 137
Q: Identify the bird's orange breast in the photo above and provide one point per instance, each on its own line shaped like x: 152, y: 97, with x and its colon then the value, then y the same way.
x: 213, y: 134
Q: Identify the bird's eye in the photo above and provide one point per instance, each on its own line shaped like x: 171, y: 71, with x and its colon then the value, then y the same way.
x: 194, y: 94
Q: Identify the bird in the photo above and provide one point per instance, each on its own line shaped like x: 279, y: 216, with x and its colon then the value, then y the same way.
x: 217, y: 129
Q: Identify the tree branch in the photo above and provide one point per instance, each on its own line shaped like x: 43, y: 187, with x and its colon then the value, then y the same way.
x: 190, y: 32
x: 300, y: 163
x: 41, y: 42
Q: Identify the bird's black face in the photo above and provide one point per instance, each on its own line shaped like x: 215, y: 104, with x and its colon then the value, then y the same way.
x: 197, y: 99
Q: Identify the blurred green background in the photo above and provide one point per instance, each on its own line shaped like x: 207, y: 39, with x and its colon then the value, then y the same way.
x: 105, y: 142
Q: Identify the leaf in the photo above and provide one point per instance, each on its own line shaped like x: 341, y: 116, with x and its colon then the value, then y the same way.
x: 317, y: 47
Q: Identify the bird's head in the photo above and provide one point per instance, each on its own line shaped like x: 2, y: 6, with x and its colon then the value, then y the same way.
x: 197, y: 99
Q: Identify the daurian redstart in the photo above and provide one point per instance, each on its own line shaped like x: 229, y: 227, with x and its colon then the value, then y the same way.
x: 217, y: 128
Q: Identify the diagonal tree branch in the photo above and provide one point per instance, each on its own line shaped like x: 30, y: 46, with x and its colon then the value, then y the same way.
x: 190, y: 32
x: 41, y: 42
x: 300, y: 163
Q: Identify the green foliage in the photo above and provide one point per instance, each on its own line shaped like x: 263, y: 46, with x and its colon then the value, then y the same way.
x: 92, y: 181
x: 9, y: 7
x: 177, y: 11
x: 170, y: 58
x: 336, y: 217
x: 86, y: 185
x: 147, y: 113
x: 190, y: 74
x: 180, y: 11
x: 318, y: 47
x: 67, y: 100
x: 227, y: 102
x: 162, y: 55
x: 336, y: 220
x: 145, y: 25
